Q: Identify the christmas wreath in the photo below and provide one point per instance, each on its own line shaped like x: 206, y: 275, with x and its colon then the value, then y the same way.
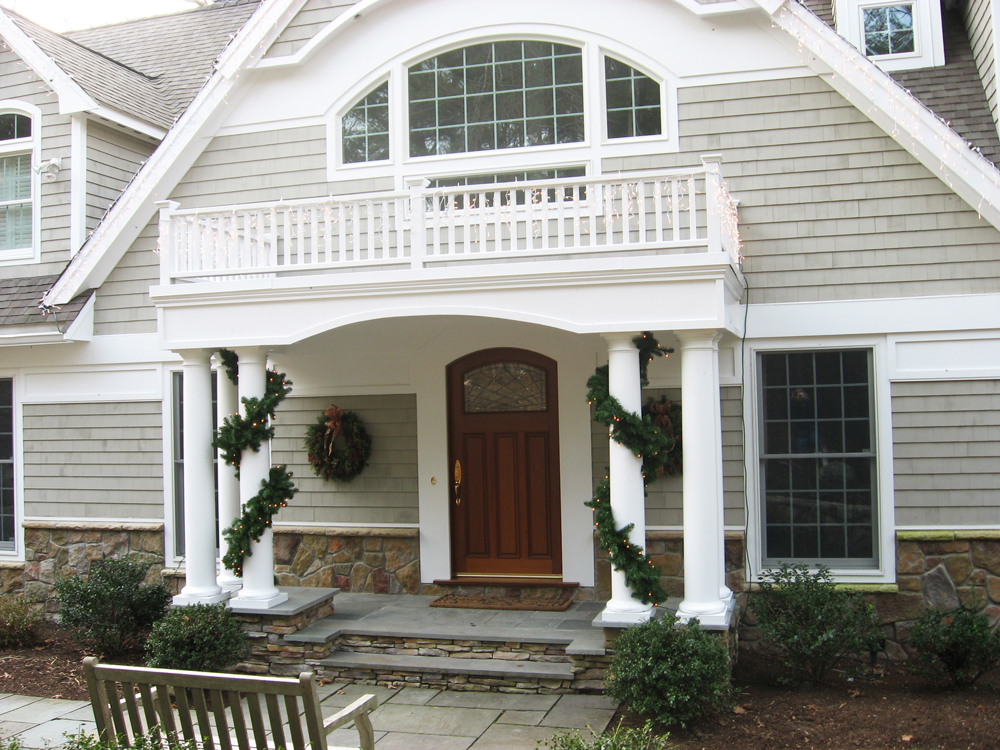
x: 338, y: 444
x: 666, y: 415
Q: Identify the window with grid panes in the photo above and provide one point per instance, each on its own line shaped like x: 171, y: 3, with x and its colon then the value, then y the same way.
x: 888, y: 30
x: 365, y: 127
x: 6, y: 464
x: 15, y: 182
x: 496, y: 95
x: 818, y: 457
x: 633, y: 101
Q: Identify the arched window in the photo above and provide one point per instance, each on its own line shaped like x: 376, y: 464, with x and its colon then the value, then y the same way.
x: 15, y: 183
x: 365, y: 127
x: 633, y: 101
x: 496, y: 95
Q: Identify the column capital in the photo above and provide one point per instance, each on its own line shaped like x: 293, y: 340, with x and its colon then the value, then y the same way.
x: 251, y: 353
x: 707, y: 338
x: 620, y: 341
x: 195, y: 355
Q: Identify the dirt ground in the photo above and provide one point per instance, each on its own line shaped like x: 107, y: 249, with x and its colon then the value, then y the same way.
x: 896, y: 710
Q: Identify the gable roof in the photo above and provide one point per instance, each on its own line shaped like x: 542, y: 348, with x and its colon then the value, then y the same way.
x: 149, y: 69
x: 899, y: 113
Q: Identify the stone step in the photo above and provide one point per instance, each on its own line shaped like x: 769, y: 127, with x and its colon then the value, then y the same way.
x: 498, y: 668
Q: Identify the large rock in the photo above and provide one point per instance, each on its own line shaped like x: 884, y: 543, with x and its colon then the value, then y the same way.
x: 399, y: 552
x: 409, y: 577
x: 993, y: 588
x: 909, y: 558
x: 959, y: 568
x: 939, y: 590
x: 285, y: 548
x: 901, y: 606
x: 987, y: 555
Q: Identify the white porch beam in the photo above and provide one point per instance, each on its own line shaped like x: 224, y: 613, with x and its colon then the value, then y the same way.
x: 259, y: 591
x: 628, y: 496
x: 705, y: 595
x: 200, y: 586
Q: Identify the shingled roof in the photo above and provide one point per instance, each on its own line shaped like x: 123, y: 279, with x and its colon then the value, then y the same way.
x: 151, y: 68
x: 19, y: 300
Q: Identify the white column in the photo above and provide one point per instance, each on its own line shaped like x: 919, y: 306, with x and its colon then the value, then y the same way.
x: 226, y: 403
x: 628, y: 496
x: 199, y: 483
x: 259, y: 591
x: 704, y: 566
x: 724, y: 591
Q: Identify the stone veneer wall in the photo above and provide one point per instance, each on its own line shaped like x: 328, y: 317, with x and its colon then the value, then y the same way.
x: 54, y: 549
x: 666, y: 549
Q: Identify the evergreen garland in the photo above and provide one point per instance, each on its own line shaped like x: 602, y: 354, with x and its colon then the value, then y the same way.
x: 642, y: 437
x: 236, y: 434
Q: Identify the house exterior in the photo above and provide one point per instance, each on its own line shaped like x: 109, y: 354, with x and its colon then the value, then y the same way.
x: 444, y: 219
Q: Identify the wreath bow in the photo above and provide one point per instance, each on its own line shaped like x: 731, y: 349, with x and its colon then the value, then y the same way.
x: 335, y: 422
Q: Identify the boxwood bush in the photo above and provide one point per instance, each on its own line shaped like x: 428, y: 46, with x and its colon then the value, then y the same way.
x: 619, y: 738
x: 202, y: 637
x: 112, y: 607
x: 17, y: 622
x: 955, y: 644
x: 671, y: 673
x: 812, y: 623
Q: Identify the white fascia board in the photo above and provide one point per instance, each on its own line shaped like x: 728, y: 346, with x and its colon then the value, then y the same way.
x: 32, y: 335
x: 900, y: 114
x: 72, y: 98
x: 172, y: 158
x: 82, y: 327
x: 128, y: 121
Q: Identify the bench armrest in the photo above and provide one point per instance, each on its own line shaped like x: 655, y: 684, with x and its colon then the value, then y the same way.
x: 362, y: 706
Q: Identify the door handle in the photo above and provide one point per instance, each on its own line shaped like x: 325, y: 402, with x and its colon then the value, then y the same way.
x: 458, y: 482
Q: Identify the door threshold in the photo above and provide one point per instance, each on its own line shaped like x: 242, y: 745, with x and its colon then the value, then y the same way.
x: 513, y: 581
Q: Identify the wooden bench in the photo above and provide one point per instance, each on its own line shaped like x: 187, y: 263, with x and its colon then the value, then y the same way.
x: 211, y: 709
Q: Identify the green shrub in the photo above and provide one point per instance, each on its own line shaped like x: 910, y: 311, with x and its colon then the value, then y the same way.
x: 202, y: 637
x: 811, y: 622
x: 113, y: 607
x: 673, y: 674
x: 17, y: 622
x: 154, y: 740
x: 955, y: 644
x: 620, y: 738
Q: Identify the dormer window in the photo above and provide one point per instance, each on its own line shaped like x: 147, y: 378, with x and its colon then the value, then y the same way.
x: 888, y: 30
x: 16, y: 186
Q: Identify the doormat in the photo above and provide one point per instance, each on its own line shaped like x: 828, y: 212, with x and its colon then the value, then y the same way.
x: 533, y: 603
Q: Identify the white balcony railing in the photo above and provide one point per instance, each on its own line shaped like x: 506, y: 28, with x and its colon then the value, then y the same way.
x: 670, y: 212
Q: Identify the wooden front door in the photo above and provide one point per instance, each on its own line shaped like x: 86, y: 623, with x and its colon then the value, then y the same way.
x: 503, y: 423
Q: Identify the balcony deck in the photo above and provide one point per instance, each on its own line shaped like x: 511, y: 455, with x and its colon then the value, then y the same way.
x: 665, y: 213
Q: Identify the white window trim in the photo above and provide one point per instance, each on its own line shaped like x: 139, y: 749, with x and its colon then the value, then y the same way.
x: 32, y: 146
x: 589, y: 153
x: 17, y: 553
x: 885, y: 572
x: 928, y: 37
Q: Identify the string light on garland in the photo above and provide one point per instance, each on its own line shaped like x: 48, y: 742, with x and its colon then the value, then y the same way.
x: 237, y: 433
x: 643, y: 437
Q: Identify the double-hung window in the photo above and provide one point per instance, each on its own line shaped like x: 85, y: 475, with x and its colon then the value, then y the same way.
x: 16, y: 186
x: 818, y: 466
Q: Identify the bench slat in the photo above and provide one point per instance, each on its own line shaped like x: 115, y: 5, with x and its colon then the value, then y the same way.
x: 221, y: 725
x: 294, y: 725
x: 313, y: 712
x: 117, y: 716
x: 274, y: 719
x: 239, y: 722
x: 184, y: 714
x: 148, y: 706
x: 128, y: 695
x: 183, y: 678
x: 98, y: 697
x: 204, y: 724
x: 167, y: 715
x: 257, y: 720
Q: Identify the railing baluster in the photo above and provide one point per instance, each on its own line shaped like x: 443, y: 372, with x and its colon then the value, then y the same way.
x: 640, y: 199
x: 355, y: 212
x: 693, y: 208
x: 385, y: 231
x: 342, y: 249
x: 328, y: 245
x: 370, y: 211
x: 467, y: 229
x: 313, y: 237
x: 658, y: 210
x: 675, y: 201
x: 592, y: 201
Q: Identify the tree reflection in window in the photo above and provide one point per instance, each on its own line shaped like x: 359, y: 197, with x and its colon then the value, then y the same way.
x: 496, y: 95
x: 366, y: 127
x: 889, y: 30
x: 633, y: 101
x: 505, y: 386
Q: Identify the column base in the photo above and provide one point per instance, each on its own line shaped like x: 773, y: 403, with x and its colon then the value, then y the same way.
x: 186, y: 600
x: 711, y: 620
x: 613, y: 617
x: 257, y: 605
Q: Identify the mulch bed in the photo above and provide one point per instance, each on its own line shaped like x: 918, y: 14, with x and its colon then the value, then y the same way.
x: 896, y: 710
x: 52, y: 668
x: 526, y: 603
